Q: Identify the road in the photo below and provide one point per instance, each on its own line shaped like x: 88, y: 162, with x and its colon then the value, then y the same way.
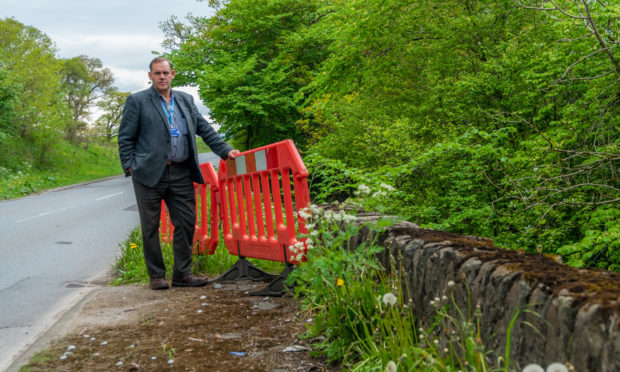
x: 55, y: 248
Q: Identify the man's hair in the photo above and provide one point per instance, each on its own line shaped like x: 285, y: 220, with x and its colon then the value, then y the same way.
x: 159, y: 59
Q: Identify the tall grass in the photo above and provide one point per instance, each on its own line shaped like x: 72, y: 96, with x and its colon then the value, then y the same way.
x: 363, y: 317
x: 63, y: 164
x: 130, y: 266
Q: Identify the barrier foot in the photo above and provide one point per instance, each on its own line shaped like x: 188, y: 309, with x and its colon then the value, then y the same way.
x: 277, y: 287
x: 243, y: 269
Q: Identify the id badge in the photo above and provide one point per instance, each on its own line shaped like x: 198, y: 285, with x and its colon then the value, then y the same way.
x: 174, y: 132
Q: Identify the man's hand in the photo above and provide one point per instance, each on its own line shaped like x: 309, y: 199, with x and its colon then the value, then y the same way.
x: 233, y: 153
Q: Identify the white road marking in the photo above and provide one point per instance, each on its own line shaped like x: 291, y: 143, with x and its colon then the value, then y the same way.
x: 43, y: 214
x: 109, y: 196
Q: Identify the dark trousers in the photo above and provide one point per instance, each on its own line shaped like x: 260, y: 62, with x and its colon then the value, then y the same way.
x: 177, y: 189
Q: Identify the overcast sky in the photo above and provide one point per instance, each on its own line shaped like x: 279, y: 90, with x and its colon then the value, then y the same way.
x: 122, y: 33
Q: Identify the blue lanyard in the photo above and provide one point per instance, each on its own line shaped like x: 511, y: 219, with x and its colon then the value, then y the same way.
x: 169, y: 114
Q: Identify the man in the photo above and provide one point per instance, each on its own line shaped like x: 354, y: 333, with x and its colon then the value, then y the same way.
x: 157, y: 148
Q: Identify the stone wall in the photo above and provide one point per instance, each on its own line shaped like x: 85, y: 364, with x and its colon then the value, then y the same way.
x: 576, y: 312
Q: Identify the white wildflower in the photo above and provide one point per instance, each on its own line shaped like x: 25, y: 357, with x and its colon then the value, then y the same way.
x: 299, y: 245
x: 533, y: 368
x: 387, y: 187
x: 310, y: 226
x: 391, y: 367
x: 329, y: 215
x: 171, y: 361
x: 379, y: 194
x: 557, y: 367
x: 451, y: 284
x: 314, y: 233
x: 309, y: 242
x: 349, y: 218
x: 305, y: 213
x: 362, y: 189
x: 314, y: 209
x: 389, y: 299
x: 444, y: 298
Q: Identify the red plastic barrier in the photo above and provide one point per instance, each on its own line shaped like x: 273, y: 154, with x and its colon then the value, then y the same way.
x: 257, y: 207
x: 206, y: 233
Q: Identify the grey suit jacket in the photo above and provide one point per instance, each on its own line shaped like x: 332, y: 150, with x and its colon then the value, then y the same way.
x: 144, y: 137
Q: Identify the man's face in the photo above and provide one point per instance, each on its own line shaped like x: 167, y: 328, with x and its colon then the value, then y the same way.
x: 161, y: 75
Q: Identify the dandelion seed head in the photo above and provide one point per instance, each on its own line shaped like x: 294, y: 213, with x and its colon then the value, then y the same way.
x: 389, y: 299
x: 533, y: 368
x: 557, y: 367
x: 451, y: 284
x: 391, y: 367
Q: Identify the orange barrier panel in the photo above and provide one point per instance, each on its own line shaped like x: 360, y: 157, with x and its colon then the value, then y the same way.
x: 206, y: 233
x: 257, y: 207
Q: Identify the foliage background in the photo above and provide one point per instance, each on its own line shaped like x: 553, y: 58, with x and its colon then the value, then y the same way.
x: 46, y: 138
x: 496, y: 118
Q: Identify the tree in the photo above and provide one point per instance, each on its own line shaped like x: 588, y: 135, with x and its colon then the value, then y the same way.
x: 85, y: 81
x: 247, y: 66
x: 9, y: 98
x: 112, y: 105
x: 28, y: 56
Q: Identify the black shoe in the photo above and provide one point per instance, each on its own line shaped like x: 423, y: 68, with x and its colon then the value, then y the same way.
x: 189, y: 281
x: 158, y: 283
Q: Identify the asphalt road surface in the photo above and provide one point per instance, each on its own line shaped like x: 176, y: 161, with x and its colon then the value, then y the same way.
x: 55, y: 248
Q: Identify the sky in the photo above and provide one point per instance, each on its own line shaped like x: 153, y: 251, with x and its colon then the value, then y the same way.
x: 122, y: 33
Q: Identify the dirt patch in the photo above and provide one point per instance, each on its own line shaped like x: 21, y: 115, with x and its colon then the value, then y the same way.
x: 213, y: 328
